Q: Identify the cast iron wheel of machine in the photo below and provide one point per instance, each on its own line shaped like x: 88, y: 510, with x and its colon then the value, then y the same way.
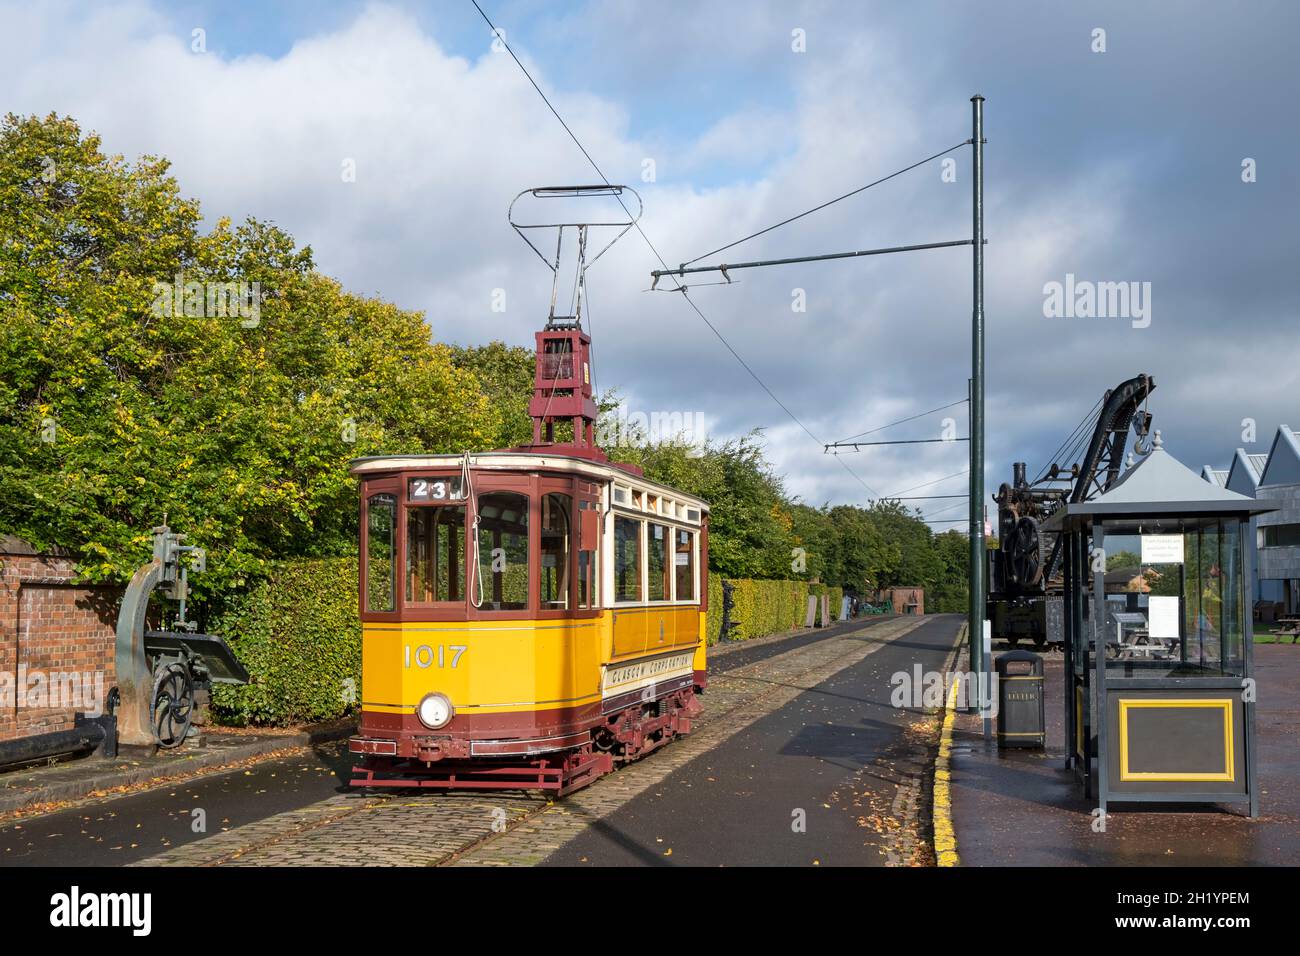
x: 173, y: 705
x: 1023, y: 553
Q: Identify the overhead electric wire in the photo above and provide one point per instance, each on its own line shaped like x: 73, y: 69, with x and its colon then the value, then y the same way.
x: 651, y: 245
x: 900, y: 441
x: 831, y: 202
x: 945, y: 510
x: 926, y: 484
x: 901, y: 421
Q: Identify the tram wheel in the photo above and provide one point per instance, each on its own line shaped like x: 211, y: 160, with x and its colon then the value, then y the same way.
x: 173, y: 705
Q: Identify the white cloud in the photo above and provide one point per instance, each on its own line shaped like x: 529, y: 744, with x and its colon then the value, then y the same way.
x: 442, y: 143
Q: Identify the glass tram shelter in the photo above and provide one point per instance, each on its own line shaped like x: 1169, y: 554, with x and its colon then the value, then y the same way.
x: 1159, y: 695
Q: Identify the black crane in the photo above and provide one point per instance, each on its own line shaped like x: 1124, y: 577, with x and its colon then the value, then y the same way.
x: 1024, y: 569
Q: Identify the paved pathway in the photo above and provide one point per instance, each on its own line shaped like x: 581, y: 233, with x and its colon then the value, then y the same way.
x: 1023, y: 808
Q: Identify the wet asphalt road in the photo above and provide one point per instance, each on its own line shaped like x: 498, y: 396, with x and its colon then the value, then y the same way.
x: 123, y: 830
x: 819, y: 754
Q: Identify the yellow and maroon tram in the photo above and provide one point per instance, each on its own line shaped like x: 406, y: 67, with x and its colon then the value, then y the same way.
x: 528, y: 618
x: 532, y: 616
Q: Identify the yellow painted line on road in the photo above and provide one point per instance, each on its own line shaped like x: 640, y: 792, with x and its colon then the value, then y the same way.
x: 945, y: 837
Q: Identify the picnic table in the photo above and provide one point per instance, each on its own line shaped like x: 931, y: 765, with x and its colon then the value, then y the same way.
x: 1137, y: 644
x: 1290, y: 627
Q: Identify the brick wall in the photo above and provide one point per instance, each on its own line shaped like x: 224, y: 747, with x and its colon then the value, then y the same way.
x: 50, y: 630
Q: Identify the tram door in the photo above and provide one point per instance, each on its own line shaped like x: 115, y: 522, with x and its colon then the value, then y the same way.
x: 588, y: 547
x: 586, y: 604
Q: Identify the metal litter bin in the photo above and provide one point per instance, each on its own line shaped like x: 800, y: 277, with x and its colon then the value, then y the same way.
x: 1021, y: 720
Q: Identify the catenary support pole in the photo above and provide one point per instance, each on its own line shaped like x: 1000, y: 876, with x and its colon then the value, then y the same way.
x: 977, y: 560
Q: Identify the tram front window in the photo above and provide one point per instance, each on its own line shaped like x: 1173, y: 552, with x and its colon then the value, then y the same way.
x: 503, y: 551
x: 435, y: 556
x: 381, y: 557
x: 555, y: 551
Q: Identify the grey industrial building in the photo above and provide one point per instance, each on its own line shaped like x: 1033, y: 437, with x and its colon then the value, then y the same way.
x: 1274, y: 477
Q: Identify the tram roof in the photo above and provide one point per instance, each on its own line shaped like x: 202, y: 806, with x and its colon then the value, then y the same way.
x: 521, y: 461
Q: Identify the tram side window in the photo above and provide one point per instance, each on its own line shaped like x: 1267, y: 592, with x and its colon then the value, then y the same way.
x: 435, y: 557
x: 556, y: 509
x: 503, y: 550
x: 657, y: 562
x: 381, y: 553
x: 627, y: 559
x: 684, y: 565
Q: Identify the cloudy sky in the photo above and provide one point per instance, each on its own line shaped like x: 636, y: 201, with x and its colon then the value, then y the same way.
x: 1122, y: 164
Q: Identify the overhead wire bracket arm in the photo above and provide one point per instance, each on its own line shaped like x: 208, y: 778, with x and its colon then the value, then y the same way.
x: 725, y: 267
x: 821, y: 206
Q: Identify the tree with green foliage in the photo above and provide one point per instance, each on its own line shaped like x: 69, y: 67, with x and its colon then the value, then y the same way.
x: 506, y: 374
x: 130, y: 391
x: 950, y: 589
x: 1123, y: 559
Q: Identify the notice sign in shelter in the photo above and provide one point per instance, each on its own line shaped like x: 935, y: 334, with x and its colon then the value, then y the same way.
x: 1163, y: 617
x: 1162, y: 549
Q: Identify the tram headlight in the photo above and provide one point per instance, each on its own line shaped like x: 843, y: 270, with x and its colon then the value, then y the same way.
x: 434, y: 711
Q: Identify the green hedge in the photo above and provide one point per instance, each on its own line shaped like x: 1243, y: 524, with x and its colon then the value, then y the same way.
x: 299, y: 636
x: 767, y: 607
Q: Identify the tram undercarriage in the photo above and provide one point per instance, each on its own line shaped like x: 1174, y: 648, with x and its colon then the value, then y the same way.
x: 623, y: 737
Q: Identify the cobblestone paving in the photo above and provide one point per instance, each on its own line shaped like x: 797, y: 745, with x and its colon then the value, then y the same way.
x: 513, y: 828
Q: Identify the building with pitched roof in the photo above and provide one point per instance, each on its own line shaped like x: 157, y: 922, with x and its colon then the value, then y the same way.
x: 1215, y: 476
x: 1272, y: 477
